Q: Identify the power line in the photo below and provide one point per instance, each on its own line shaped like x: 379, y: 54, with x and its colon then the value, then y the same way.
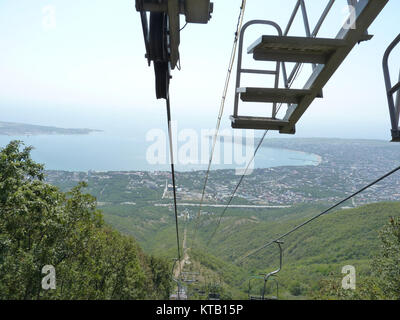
x: 248, y: 165
x: 320, y: 214
x: 240, y: 182
x: 233, y: 54
x: 221, y: 111
x: 173, y: 178
x: 237, y: 187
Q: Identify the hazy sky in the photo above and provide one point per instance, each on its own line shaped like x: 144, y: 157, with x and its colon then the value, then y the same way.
x: 87, y: 68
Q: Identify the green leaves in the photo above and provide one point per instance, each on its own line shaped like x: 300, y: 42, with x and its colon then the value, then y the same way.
x: 384, y: 281
x: 387, y: 263
x: 40, y: 225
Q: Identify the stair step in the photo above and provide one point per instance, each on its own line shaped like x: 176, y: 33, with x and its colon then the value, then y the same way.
x: 295, y: 49
x: 272, y: 95
x: 242, y: 122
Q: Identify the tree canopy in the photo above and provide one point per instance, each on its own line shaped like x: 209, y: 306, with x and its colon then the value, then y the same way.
x: 40, y: 225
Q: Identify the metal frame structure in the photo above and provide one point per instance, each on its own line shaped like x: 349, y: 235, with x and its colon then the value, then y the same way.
x: 394, y: 104
x: 239, y: 70
x: 161, y: 33
x: 186, y: 277
x: 267, y: 276
x: 249, y: 290
x: 325, y: 63
x: 273, y: 273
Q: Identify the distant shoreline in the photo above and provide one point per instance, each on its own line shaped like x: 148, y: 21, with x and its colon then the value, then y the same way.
x: 23, y: 129
x: 318, y: 162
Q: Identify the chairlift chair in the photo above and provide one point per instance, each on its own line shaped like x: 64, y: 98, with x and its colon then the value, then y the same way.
x: 267, y: 277
x: 391, y: 91
x: 326, y: 55
x: 213, y: 296
x: 250, y: 295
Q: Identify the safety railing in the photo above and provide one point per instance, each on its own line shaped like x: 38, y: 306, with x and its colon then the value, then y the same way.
x: 240, y: 70
x: 391, y: 91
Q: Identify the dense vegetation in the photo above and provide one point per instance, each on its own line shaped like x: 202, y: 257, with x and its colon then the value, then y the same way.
x: 40, y: 225
x: 366, y: 238
x: 384, y: 280
x: 313, y: 257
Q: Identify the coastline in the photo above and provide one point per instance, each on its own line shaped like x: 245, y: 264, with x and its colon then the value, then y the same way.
x: 99, y: 152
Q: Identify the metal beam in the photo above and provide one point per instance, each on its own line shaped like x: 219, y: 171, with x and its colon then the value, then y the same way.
x: 366, y: 13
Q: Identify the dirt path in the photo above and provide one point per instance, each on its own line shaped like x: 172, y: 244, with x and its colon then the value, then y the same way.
x: 179, y: 267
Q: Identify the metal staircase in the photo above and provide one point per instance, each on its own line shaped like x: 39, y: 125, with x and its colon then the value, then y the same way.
x: 326, y: 55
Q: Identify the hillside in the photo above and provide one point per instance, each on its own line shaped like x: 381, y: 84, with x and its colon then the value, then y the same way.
x: 321, y: 249
x: 83, y: 247
x: 275, y: 200
x: 346, y: 237
x: 44, y: 229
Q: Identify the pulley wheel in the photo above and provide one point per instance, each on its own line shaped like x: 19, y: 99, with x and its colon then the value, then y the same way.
x: 159, y: 52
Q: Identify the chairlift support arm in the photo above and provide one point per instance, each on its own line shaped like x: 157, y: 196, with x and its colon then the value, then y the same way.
x: 273, y: 273
x: 267, y: 276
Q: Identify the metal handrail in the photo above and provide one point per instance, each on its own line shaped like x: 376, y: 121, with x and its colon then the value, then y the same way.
x: 239, y: 70
x: 394, y: 106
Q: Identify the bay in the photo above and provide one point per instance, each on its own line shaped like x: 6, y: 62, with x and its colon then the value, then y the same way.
x: 123, y: 152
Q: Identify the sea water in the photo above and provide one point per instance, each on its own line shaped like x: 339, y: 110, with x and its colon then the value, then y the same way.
x: 107, y: 151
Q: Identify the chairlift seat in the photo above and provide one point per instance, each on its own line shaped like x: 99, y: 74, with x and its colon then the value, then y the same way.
x: 295, y: 49
x: 272, y: 95
x: 213, y: 296
x: 262, y: 123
